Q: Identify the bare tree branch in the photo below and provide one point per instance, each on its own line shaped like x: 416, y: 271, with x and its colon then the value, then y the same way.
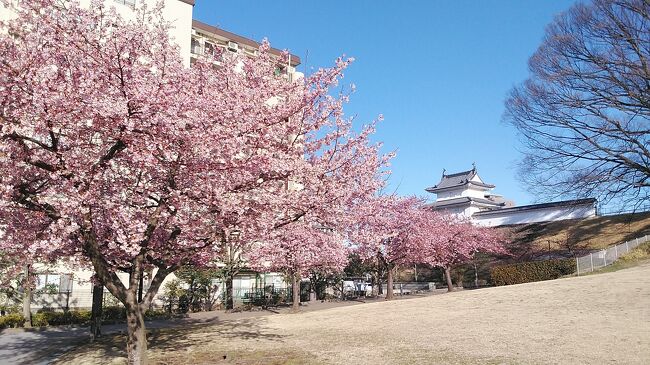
x: 584, y: 114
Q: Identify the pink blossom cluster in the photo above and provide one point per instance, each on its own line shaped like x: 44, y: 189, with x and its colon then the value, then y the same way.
x: 403, y: 230
x: 301, y: 249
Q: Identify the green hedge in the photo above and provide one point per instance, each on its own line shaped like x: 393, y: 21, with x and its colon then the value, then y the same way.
x: 12, y: 320
x: 156, y: 314
x: 114, y: 314
x: 8, y: 309
x: 47, y: 318
x: 532, y: 271
x: 117, y: 314
x: 80, y: 317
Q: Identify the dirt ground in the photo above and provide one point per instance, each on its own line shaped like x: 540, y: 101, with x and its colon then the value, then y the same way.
x: 597, y: 319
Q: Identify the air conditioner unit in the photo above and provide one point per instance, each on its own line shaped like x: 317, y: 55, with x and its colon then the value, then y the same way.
x: 193, y: 32
x: 232, y: 46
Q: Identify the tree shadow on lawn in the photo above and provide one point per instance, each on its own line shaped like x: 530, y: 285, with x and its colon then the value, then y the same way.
x: 172, y: 344
x: 37, y: 345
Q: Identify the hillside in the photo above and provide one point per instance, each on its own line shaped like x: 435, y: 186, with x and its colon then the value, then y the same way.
x: 571, y: 238
x: 540, y: 241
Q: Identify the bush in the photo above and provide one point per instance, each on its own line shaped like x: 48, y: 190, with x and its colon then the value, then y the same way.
x: 110, y: 315
x: 114, y: 314
x: 532, y: 271
x: 156, y: 314
x: 48, y: 318
x: 9, y: 309
x: 40, y: 319
x: 641, y: 252
x: 12, y: 320
x: 81, y: 316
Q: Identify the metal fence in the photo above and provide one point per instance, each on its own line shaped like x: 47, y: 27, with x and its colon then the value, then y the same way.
x: 618, y: 211
x: 596, y: 260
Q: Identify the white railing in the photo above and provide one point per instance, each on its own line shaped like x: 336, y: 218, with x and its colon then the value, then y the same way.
x: 614, y: 211
x: 607, y: 256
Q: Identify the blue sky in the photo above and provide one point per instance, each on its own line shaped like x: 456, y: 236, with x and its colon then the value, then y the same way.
x: 438, y: 71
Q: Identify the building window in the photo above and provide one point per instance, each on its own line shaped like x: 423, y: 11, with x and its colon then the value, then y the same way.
x: 196, y: 46
x: 209, y: 49
x: 126, y: 2
x: 50, y: 283
x: 280, y: 70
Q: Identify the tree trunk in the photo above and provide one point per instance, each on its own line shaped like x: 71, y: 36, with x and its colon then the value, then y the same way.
x: 136, y: 345
x: 96, y: 313
x: 376, y: 284
x: 230, y: 304
x: 450, y: 285
x: 140, y: 287
x: 313, y: 295
x: 27, y: 299
x: 389, y: 284
x: 296, y: 292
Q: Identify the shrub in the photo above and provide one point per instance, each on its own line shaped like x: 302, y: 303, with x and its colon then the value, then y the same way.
x: 114, y: 314
x: 9, y: 309
x: 80, y: 316
x: 156, y: 314
x: 532, y: 271
x: 49, y: 318
x: 641, y: 252
x: 110, y: 315
x: 12, y: 320
x: 40, y: 319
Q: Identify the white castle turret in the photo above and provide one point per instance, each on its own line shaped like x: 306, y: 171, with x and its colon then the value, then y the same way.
x: 464, y: 193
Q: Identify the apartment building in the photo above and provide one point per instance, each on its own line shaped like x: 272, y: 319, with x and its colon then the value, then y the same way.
x: 59, y: 287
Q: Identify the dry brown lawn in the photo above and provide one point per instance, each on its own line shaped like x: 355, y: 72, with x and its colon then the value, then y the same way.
x: 597, y: 319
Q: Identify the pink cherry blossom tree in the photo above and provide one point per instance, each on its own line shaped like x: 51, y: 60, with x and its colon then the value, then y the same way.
x: 300, y: 249
x: 115, y: 157
x: 447, y: 240
x: 382, y: 233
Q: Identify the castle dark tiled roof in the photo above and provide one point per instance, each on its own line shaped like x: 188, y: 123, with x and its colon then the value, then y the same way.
x: 456, y: 180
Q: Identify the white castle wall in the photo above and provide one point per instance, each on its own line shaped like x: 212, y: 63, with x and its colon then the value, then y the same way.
x: 535, y: 215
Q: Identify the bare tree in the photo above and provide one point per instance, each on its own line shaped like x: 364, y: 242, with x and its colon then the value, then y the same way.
x: 584, y: 113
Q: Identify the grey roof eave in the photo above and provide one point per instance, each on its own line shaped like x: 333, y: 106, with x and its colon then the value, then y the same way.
x: 565, y: 203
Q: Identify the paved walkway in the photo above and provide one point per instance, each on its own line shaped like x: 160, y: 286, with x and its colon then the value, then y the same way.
x: 41, y: 346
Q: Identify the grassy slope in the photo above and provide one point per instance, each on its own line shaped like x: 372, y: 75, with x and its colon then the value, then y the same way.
x: 638, y: 256
x: 574, y: 237
x: 538, y: 241
x: 562, y: 239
